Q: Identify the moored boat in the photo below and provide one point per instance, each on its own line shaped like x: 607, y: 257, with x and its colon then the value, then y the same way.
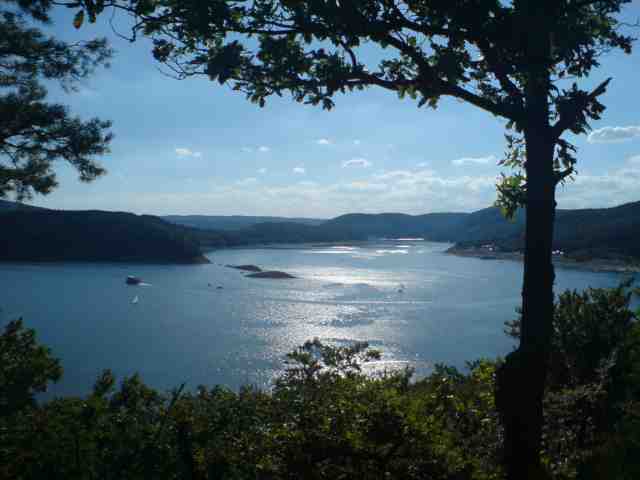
x: 131, y: 280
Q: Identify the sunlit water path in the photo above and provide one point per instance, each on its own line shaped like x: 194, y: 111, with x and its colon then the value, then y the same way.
x: 409, y: 299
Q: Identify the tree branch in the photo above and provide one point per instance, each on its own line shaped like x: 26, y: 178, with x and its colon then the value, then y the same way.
x: 568, y: 118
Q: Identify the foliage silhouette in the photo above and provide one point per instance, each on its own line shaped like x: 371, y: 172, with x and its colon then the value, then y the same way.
x: 34, y: 133
x: 94, y: 236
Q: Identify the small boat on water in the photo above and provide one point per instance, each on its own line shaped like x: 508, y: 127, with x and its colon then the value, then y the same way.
x: 135, y: 300
x: 131, y: 280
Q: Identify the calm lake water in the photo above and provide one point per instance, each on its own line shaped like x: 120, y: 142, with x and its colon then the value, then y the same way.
x: 407, y: 298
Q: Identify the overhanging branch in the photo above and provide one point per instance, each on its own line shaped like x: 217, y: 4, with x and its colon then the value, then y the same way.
x: 570, y: 116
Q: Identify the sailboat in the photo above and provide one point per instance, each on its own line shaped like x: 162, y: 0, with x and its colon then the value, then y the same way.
x: 135, y: 300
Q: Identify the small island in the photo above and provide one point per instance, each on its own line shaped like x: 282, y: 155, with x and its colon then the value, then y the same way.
x: 246, y: 268
x: 257, y: 272
x: 271, y: 274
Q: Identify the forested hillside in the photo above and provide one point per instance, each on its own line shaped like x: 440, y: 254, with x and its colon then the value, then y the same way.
x: 232, y: 222
x: 49, y: 235
x: 588, y: 232
x: 35, y: 234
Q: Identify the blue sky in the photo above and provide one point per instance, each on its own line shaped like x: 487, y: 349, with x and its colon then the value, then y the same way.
x: 194, y: 147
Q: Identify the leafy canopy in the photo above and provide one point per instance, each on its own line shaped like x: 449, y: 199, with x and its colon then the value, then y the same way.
x: 33, y: 132
x: 26, y: 368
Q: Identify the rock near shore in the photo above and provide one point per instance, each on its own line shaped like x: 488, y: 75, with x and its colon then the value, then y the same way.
x: 272, y: 274
x: 246, y: 268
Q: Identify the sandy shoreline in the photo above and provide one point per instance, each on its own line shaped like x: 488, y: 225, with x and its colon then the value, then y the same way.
x: 593, y: 265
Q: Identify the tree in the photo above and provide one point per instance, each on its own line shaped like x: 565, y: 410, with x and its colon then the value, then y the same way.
x: 34, y: 133
x: 519, y: 60
x: 25, y: 368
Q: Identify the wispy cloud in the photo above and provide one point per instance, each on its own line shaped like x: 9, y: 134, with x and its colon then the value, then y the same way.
x: 361, y: 186
x: 394, y: 174
x: 247, y: 182
x: 324, y: 141
x: 459, y: 162
x: 186, y: 152
x: 357, y: 142
x: 617, y: 186
x: 356, y: 162
x: 264, y: 149
x: 299, y: 170
x: 614, y: 134
x: 423, y: 164
x: 247, y: 149
x: 262, y: 171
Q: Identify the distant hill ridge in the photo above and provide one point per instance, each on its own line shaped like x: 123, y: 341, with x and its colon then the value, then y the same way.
x: 41, y: 234
x: 588, y: 232
x: 233, y: 222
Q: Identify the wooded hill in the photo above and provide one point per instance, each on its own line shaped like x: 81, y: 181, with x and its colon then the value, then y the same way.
x: 587, y: 232
x: 37, y: 234
x: 50, y: 235
x: 233, y: 222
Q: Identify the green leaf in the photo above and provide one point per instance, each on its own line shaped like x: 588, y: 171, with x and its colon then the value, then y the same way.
x: 78, y: 20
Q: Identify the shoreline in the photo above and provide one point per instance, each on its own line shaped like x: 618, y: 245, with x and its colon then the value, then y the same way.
x: 597, y: 265
x: 198, y: 260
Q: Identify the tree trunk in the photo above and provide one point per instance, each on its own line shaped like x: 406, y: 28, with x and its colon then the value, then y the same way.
x: 521, y: 381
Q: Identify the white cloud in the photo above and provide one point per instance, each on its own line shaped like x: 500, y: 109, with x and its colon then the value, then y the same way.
x: 474, y: 161
x: 423, y: 164
x: 614, y: 134
x: 264, y: 149
x: 357, y: 142
x: 247, y: 182
x: 299, y: 170
x: 247, y: 149
x: 323, y: 141
x: 413, y: 191
x: 394, y: 174
x: 361, y: 186
x: 262, y: 171
x: 617, y: 186
x: 185, y: 152
x: 357, y: 162
x: 420, y: 193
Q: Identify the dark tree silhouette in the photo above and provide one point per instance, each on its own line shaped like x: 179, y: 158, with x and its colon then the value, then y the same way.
x: 519, y: 60
x: 34, y: 133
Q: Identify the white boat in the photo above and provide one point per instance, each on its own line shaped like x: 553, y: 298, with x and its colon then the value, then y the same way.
x: 135, y: 300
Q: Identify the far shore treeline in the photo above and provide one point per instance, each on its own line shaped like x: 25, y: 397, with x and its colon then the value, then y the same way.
x: 38, y: 234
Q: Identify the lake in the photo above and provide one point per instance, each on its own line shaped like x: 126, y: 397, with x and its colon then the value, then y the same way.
x: 408, y: 298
